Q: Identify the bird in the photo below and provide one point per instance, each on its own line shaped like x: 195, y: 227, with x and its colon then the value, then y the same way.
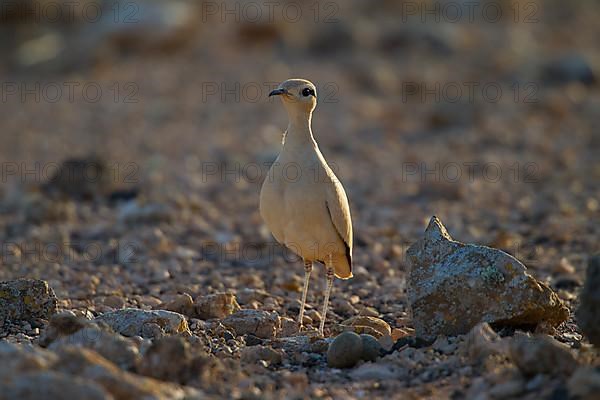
x: 302, y: 202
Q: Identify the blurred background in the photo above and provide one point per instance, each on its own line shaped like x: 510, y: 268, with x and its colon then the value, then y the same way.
x: 484, y: 114
x: 135, y: 136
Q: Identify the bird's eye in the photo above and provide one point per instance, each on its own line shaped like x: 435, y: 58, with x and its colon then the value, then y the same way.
x: 307, y: 92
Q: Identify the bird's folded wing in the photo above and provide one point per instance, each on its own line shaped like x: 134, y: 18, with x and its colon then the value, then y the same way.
x: 337, y: 203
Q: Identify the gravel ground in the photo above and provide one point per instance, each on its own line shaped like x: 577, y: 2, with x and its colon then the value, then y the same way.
x: 181, y: 136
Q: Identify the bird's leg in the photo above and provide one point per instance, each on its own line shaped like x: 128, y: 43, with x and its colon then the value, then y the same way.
x: 307, y: 270
x: 329, y: 276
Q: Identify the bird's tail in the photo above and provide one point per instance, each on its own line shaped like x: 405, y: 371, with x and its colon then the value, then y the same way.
x: 342, y: 266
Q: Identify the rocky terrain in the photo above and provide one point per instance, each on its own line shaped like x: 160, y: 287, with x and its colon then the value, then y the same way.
x: 134, y: 262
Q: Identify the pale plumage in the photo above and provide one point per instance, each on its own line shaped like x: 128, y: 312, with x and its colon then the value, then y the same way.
x: 302, y: 201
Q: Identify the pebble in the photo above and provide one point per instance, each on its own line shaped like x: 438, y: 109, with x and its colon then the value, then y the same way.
x: 345, y: 350
x: 541, y: 354
x: 507, y: 390
x: 262, y: 324
x: 371, y: 325
x: 218, y: 305
x: 258, y: 353
x: 132, y: 321
x: 371, y: 348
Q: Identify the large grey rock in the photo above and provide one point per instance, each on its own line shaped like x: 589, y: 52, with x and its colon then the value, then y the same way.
x: 453, y: 286
x: 26, y: 300
x: 588, y: 314
x: 262, y: 324
x: 135, y: 322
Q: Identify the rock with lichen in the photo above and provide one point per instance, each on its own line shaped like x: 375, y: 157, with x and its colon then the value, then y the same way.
x: 26, y: 300
x: 453, y: 286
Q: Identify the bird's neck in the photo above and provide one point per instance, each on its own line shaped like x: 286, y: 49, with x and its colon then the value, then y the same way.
x: 299, y: 132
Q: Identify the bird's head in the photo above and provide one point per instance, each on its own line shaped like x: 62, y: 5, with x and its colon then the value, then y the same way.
x: 299, y: 96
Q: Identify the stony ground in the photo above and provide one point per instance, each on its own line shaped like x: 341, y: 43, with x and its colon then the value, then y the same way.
x: 181, y: 143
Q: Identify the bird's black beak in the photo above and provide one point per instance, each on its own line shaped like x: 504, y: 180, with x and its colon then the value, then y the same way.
x: 277, y: 92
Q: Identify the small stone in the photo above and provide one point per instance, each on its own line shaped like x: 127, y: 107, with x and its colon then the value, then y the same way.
x: 252, y: 340
x: 569, y: 68
x: 378, y: 327
x: 378, y: 372
x: 386, y: 342
x: 369, y: 312
x: 52, y: 385
x: 343, y: 307
x: 166, y: 359
x: 114, y: 347
x: 314, y: 315
x: 443, y: 345
x: 584, y: 384
x: 588, y: 314
x: 541, y: 354
x: 218, y: 305
x: 262, y: 324
x: 564, y: 267
x: 482, y: 341
x: 131, y: 321
x: 289, y: 327
x: 507, y: 390
x: 62, y: 324
x: 182, y: 304
x: 26, y: 300
x: 319, y: 346
x: 134, y: 213
x: 399, y: 333
x: 258, y: 353
x: 345, y: 350
x: 114, y: 302
x: 371, y: 348
x: 88, y: 364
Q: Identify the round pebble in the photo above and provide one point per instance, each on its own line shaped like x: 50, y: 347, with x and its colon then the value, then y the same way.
x: 345, y: 350
x: 370, y: 347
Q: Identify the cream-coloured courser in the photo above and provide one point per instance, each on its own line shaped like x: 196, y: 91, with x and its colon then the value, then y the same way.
x: 302, y: 201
